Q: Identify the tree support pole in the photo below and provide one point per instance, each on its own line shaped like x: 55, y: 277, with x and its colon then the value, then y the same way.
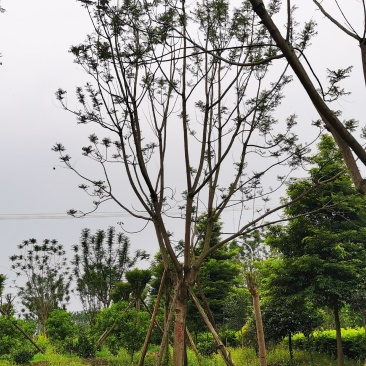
x: 153, y: 320
x: 223, y: 351
x: 164, y: 341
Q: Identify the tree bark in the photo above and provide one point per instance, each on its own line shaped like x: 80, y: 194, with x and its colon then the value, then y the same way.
x: 363, y: 56
x: 337, y: 322
x: 289, y: 52
x: 252, y: 286
x: 180, y: 308
x: 350, y: 162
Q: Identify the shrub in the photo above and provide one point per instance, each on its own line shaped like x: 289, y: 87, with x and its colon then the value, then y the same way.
x: 11, y: 338
x: 353, y: 340
x: 60, y: 326
x: 85, y: 346
x: 206, y: 344
x: 23, y: 354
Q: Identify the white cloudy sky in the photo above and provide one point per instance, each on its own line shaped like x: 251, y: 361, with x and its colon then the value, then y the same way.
x: 34, y: 39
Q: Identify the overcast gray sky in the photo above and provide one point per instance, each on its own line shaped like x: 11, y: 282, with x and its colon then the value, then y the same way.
x: 34, y: 39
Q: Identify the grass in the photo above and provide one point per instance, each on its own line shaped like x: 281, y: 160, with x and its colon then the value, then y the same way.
x: 242, y: 357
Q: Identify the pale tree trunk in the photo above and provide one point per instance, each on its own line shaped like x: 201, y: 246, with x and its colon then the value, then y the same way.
x: 252, y: 287
x: 327, y: 114
x: 340, y: 356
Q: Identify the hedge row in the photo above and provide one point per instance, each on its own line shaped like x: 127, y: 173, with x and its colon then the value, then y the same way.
x: 353, y: 340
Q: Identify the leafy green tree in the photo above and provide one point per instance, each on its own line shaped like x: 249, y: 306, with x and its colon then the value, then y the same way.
x: 43, y: 268
x: 323, y: 245
x: 11, y: 338
x: 128, y: 327
x: 218, y: 278
x: 284, y: 312
x: 60, y: 326
x: 100, y: 261
x: 121, y: 291
x: 237, y: 309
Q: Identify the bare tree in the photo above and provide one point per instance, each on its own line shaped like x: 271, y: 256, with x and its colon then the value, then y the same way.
x: 187, y: 97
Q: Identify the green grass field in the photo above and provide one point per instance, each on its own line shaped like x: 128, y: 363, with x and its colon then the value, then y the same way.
x: 241, y: 356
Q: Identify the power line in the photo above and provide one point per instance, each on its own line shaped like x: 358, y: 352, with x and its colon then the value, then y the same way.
x: 58, y: 216
x: 94, y: 215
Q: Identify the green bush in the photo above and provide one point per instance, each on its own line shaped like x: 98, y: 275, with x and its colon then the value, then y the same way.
x: 85, y: 346
x: 206, y: 344
x: 23, y: 354
x: 11, y: 339
x: 353, y: 340
x: 60, y: 325
x: 230, y: 339
x: 129, y: 327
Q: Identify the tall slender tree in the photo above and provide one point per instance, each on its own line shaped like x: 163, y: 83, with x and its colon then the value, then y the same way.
x: 323, y: 245
x: 186, y: 95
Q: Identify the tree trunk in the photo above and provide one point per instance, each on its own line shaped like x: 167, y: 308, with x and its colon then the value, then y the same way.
x: 290, y: 350
x: 363, y: 57
x: 337, y: 322
x: 252, y: 286
x: 180, y: 308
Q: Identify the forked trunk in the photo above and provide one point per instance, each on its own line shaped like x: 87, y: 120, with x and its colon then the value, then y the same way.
x: 337, y: 322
